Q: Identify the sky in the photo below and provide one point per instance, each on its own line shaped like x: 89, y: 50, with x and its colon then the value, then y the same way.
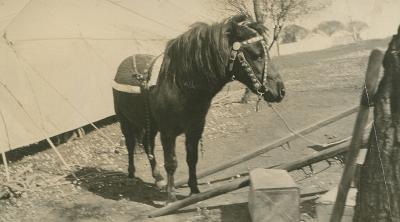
x: 383, y: 16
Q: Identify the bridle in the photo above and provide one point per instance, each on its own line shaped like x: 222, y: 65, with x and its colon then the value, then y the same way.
x: 237, y: 53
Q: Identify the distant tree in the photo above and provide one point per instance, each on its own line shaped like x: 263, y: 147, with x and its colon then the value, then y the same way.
x: 330, y: 27
x: 355, y: 27
x: 275, y: 13
x: 293, y: 33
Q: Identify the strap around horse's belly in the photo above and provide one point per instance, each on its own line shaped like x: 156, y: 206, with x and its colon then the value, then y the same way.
x: 155, y: 69
x: 126, y: 88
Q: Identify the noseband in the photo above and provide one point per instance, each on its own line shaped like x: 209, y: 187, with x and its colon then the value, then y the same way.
x: 237, y: 53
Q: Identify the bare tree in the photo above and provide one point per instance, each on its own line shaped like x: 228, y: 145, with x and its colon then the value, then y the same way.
x: 275, y: 13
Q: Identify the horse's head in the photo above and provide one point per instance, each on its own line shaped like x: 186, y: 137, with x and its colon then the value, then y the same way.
x: 249, y: 60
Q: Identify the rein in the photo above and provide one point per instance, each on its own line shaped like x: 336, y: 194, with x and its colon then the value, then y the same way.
x: 237, y: 53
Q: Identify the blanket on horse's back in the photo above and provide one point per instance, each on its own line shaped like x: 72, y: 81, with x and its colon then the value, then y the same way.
x: 146, y: 66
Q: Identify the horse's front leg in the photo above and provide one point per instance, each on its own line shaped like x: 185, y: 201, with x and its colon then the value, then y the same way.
x: 193, y: 136
x: 170, y: 163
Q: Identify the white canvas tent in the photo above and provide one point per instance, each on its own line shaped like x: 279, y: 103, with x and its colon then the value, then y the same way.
x: 58, y: 58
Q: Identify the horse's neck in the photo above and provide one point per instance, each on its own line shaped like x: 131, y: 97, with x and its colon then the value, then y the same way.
x: 209, y: 93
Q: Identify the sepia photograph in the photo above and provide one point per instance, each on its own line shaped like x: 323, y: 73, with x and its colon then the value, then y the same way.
x: 200, y: 110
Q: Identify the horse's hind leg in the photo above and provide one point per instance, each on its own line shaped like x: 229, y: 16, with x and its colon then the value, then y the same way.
x: 130, y: 141
x: 149, y: 144
x: 170, y: 163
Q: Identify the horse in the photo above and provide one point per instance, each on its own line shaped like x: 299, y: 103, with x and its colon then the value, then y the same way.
x: 196, y: 66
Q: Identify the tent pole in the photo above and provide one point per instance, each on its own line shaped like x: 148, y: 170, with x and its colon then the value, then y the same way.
x: 3, y: 154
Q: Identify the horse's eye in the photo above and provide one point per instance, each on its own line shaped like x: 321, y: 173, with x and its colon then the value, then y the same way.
x: 260, y: 59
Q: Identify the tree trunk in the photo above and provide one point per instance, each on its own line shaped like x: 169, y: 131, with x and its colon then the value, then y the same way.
x: 378, y: 198
x: 259, y: 10
x: 278, y: 50
x: 260, y: 17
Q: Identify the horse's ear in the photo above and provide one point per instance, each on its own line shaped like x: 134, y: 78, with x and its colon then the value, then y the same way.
x: 239, y: 18
x: 233, y: 24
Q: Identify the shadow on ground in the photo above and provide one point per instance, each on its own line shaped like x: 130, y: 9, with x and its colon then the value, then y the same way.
x: 116, y: 185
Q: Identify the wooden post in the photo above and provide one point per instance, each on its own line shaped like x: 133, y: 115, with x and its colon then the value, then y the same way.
x: 371, y: 83
x: 240, y: 183
x: 271, y: 146
x: 378, y: 197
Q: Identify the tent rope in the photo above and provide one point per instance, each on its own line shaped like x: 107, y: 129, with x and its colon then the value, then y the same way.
x: 91, y: 39
x: 17, y: 14
x: 288, y: 126
x: 41, y: 130
x: 66, y: 99
x: 139, y: 14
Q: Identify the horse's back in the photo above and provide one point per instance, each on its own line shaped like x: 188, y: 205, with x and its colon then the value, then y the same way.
x: 136, y: 64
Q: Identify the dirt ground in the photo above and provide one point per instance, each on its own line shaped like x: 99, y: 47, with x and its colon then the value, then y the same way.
x: 320, y: 84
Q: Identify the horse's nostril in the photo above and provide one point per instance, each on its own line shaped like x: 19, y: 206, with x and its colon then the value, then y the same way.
x: 282, y: 92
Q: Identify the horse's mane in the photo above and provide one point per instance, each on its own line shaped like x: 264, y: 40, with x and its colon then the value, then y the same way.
x: 196, y: 59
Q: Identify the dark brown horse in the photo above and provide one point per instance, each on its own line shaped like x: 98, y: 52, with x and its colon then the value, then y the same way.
x: 196, y: 66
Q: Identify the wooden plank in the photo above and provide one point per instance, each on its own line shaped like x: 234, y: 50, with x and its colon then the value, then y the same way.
x: 271, y: 146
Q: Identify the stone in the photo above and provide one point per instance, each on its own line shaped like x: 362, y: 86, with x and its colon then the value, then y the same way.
x: 273, y: 196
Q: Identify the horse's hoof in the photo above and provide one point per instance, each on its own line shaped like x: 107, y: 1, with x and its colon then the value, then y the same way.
x: 171, y: 199
x: 131, y: 175
x: 133, y: 181
x: 194, y: 192
x: 161, y: 184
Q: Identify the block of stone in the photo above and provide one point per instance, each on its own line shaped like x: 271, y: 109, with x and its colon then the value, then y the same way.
x: 273, y: 196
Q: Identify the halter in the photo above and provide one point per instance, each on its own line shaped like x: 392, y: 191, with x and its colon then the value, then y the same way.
x: 237, y: 53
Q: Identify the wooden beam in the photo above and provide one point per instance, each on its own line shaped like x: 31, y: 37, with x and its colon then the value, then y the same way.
x: 237, y: 184
x: 271, y: 146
